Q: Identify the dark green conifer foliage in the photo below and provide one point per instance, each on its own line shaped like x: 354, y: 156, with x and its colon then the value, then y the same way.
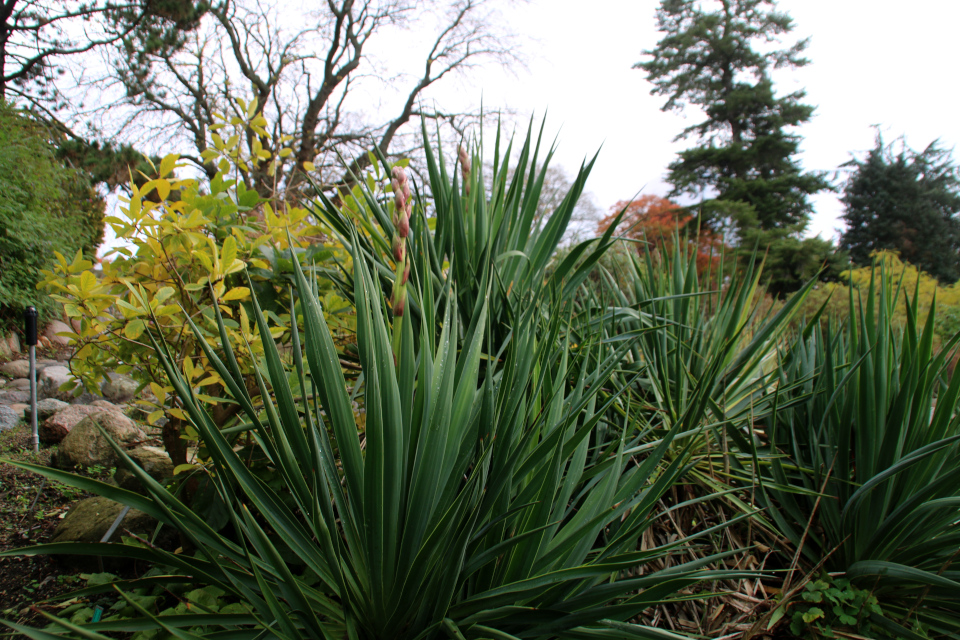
x: 908, y: 202
x: 746, y: 152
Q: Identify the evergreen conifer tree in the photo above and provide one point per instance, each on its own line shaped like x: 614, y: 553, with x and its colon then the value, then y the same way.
x: 908, y: 202
x: 718, y: 55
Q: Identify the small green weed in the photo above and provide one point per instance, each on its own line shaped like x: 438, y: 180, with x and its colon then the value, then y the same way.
x: 831, y: 603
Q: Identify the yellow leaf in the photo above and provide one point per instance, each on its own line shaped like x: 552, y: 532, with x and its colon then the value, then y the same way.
x: 229, y: 252
x: 181, y: 468
x: 237, y: 265
x: 309, y: 166
x: 168, y: 164
x: 134, y: 329
x: 238, y: 293
x: 213, y: 379
x: 88, y: 281
x: 205, y: 260
x: 164, y: 293
x: 153, y: 417
x: 163, y: 189
x: 158, y: 391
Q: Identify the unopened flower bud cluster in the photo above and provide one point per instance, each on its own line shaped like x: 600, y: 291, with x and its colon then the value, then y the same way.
x: 401, y: 222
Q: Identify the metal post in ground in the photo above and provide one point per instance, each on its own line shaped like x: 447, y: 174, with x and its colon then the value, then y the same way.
x: 30, y: 329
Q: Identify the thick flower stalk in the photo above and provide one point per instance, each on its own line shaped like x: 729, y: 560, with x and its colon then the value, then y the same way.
x: 465, y: 169
x: 401, y: 222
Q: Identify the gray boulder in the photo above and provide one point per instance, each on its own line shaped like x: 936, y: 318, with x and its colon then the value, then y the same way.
x: 8, y: 418
x: 90, y: 519
x: 85, y: 398
x: 85, y: 446
x: 56, y: 427
x: 50, y: 380
x: 13, y: 396
x: 55, y: 327
x: 153, y: 460
x: 46, y: 408
x: 16, y: 368
x: 119, y: 388
x: 13, y: 342
x: 23, y: 384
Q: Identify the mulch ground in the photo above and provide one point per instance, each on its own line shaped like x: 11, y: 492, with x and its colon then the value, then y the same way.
x: 30, y: 510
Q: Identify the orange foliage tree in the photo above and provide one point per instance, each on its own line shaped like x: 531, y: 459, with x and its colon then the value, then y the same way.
x: 657, y: 221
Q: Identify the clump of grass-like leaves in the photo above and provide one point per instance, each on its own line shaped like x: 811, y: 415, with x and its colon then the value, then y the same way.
x: 863, y: 469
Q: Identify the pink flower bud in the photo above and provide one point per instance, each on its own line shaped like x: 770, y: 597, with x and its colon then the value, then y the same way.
x: 399, y: 300
x: 403, y: 225
x: 406, y: 272
x: 465, y: 169
x: 399, y: 249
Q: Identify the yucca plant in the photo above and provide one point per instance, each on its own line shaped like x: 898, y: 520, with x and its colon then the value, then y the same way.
x: 703, y: 345
x: 863, y: 468
x: 484, y: 231
x: 695, y: 334
x: 478, y: 504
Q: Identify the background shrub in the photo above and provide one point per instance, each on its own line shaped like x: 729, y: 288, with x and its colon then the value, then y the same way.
x: 44, y: 207
x: 188, y: 246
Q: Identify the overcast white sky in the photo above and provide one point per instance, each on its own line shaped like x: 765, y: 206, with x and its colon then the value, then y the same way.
x: 885, y: 62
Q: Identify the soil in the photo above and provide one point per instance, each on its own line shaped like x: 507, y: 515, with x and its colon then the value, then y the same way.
x: 31, y: 507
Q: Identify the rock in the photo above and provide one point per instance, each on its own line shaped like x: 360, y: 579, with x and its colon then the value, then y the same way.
x: 85, y: 398
x: 16, y: 368
x: 13, y: 342
x: 53, y: 328
x: 5, y: 352
x: 21, y: 408
x: 50, y: 380
x: 8, y: 418
x: 85, y: 446
x: 23, y: 384
x: 153, y: 460
x: 57, y: 426
x: 48, y: 407
x: 13, y: 396
x: 106, y: 405
x: 90, y: 519
x: 119, y: 388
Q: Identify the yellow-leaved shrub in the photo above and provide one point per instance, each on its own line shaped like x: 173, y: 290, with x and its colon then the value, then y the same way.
x: 188, y: 247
